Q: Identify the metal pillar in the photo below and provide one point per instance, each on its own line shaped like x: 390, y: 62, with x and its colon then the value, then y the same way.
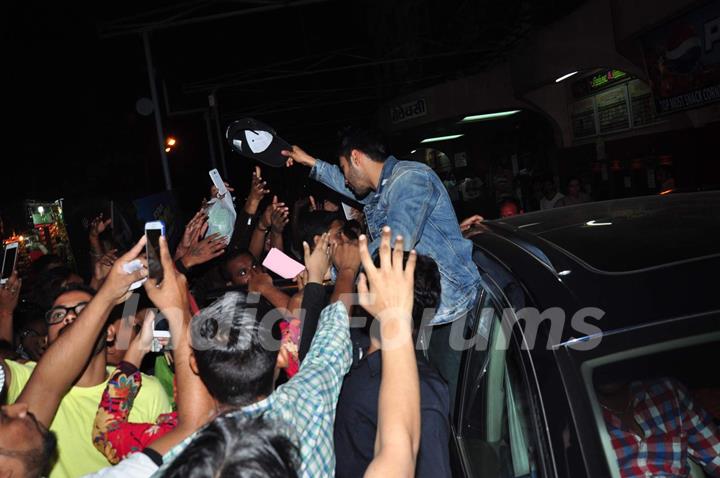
x: 156, y: 107
x: 211, y: 146
x: 220, y: 136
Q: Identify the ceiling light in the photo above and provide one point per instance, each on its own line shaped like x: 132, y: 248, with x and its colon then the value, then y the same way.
x: 565, y: 77
x: 488, y: 116
x: 441, y: 138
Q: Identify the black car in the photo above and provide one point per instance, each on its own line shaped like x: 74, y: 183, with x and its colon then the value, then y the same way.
x: 579, y: 306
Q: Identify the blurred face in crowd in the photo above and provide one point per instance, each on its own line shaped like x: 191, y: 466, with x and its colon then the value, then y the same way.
x: 508, y: 209
x: 23, y: 442
x: 573, y: 188
x: 64, y: 311
x: 355, y: 177
x: 549, y: 189
x: 330, y: 206
x: 240, y: 269
x: 33, y: 338
x: 335, y: 231
x: 121, y: 332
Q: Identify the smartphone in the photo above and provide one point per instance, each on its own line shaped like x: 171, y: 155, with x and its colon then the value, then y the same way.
x: 153, y: 231
x: 161, y: 329
x: 9, y: 261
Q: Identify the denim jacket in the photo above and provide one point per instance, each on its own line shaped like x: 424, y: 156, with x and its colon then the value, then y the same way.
x: 413, y: 201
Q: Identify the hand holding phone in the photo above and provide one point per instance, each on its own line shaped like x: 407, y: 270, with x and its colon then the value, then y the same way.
x: 153, y: 231
x: 9, y: 261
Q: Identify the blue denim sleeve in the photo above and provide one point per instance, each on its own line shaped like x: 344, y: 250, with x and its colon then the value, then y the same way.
x: 332, y: 177
x: 410, y: 200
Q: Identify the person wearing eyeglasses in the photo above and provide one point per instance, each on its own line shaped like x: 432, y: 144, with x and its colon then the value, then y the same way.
x: 70, y: 411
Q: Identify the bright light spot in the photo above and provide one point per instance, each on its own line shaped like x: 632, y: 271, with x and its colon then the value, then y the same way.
x: 565, y: 77
x: 488, y: 116
x: 171, y: 141
x: 442, y: 138
x: 666, y: 192
x: 41, y: 210
x: 21, y: 238
x: 167, y: 150
x: 564, y: 273
x: 413, y: 151
x: 595, y: 223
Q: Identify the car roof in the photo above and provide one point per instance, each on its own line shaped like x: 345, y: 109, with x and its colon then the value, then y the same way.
x: 626, y: 235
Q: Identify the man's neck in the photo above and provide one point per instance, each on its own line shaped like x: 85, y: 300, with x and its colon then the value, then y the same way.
x: 375, y: 170
x: 95, y: 373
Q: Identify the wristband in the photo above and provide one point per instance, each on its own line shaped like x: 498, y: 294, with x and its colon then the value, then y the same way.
x: 181, y: 267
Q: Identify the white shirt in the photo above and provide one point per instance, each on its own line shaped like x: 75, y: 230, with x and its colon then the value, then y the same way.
x: 137, y: 465
x: 545, y: 204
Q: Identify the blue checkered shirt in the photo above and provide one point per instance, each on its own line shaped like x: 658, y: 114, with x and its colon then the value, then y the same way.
x: 306, y: 402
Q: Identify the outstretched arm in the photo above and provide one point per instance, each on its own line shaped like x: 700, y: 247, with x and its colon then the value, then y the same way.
x: 194, y: 403
x: 64, y: 360
x: 390, y: 300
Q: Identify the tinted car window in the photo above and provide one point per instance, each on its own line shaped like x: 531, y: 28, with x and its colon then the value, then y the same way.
x: 496, y: 435
x: 657, y: 410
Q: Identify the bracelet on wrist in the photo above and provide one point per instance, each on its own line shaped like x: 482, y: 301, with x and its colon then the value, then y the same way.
x: 181, y: 267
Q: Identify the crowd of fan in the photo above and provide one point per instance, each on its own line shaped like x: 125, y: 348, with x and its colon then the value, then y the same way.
x: 264, y: 379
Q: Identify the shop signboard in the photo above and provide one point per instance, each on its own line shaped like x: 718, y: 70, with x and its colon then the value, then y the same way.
x: 408, y: 111
x: 683, y: 60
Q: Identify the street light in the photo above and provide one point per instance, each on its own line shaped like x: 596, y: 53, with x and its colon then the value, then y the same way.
x: 171, y: 141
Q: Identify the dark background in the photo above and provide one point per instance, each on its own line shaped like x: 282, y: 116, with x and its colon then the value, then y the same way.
x: 75, y: 72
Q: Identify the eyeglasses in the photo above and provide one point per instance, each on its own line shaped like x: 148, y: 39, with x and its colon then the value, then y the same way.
x: 58, y: 313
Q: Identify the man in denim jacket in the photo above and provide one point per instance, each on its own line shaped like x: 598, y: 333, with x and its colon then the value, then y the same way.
x: 410, y: 198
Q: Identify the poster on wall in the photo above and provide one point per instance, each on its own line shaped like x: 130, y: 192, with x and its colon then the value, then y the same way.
x: 683, y: 60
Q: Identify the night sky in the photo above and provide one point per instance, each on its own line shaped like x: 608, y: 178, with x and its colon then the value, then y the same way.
x: 75, y: 73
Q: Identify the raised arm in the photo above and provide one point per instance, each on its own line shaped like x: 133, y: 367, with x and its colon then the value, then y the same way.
x: 317, y: 264
x: 9, y: 295
x: 65, y: 359
x: 325, y: 173
x: 346, y: 259
x: 390, y: 300
x: 194, y: 404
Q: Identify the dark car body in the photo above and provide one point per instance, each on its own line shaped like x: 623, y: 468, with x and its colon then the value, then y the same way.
x: 649, y: 264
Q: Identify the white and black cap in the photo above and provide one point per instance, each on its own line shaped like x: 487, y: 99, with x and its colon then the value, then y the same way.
x: 256, y: 140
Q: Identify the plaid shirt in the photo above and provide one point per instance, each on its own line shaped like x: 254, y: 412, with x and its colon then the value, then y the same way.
x: 306, y: 402
x: 674, y: 429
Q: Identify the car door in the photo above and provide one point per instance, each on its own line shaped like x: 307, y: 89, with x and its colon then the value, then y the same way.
x: 498, y: 420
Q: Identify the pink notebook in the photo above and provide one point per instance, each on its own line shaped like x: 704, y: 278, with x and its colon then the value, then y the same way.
x: 282, y: 264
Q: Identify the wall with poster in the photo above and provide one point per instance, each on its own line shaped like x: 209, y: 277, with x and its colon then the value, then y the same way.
x: 683, y: 60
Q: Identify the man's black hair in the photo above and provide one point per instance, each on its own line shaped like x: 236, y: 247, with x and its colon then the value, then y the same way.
x: 234, y: 446
x: 236, y: 348
x: 312, y: 224
x: 368, y: 141
x: 426, y: 286
x: 47, y: 285
x: 72, y: 288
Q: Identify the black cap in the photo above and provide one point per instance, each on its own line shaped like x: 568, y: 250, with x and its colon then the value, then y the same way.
x: 256, y: 140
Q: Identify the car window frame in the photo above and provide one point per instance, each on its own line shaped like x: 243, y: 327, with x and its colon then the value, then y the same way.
x: 537, y: 421
x: 623, y: 343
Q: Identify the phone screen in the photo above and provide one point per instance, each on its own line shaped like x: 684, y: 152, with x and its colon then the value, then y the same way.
x: 152, y: 250
x: 9, y: 262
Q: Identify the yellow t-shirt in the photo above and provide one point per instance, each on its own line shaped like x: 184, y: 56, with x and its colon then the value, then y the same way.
x: 73, y: 423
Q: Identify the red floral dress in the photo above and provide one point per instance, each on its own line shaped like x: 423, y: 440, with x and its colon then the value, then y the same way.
x: 113, y: 435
